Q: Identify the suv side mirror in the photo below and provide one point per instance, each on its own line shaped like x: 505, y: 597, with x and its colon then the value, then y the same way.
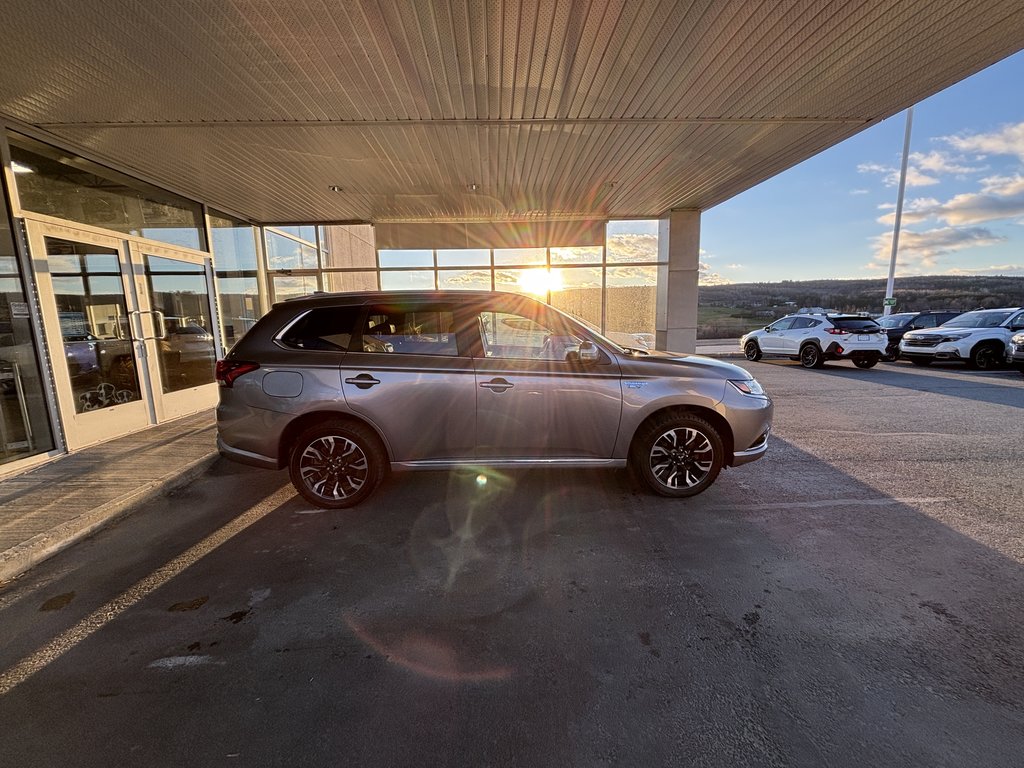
x: 589, y: 353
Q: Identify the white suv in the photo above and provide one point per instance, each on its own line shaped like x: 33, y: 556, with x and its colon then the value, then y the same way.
x: 814, y: 338
x: 977, y: 338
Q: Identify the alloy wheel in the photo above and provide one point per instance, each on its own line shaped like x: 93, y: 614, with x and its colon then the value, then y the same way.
x: 333, y: 467
x: 681, y: 458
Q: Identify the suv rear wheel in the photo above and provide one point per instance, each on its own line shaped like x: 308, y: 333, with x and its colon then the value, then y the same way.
x: 678, y: 456
x: 811, y: 356
x: 752, y: 351
x: 336, y: 464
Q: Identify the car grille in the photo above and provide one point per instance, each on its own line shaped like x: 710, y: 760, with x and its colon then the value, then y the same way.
x: 921, y: 341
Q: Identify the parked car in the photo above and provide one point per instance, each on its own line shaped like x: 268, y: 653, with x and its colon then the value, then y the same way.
x: 897, y: 325
x: 814, y: 338
x: 1015, y: 352
x: 977, y: 338
x: 340, y: 388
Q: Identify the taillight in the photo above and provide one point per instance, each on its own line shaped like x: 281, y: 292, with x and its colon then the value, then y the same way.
x: 836, y: 331
x: 229, y: 370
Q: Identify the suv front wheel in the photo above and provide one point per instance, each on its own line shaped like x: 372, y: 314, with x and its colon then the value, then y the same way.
x: 678, y: 456
x: 336, y: 464
x: 752, y: 351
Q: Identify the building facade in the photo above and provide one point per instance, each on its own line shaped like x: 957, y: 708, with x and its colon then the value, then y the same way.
x: 117, y: 296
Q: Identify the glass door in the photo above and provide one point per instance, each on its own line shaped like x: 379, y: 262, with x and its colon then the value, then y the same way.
x: 89, y: 306
x: 177, y: 315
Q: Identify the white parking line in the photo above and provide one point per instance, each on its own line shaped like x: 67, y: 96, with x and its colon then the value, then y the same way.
x: 106, y: 613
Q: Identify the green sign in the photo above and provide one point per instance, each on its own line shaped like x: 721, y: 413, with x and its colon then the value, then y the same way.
x: 889, y: 301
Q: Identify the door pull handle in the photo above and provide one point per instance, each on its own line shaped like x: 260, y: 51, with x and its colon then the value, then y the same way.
x: 362, y: 381
x: 497, y: 385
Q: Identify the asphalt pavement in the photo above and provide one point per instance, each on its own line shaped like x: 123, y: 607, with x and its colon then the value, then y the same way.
x: 854, y: 598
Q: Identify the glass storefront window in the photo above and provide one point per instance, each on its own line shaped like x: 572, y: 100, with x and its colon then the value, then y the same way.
x: 407, y: 258
x: 579, y: 294
x: 464, y: 257
x: 407, y: 280
x: 631, y: 296
x: 177, y: 289
x: 338, y: 282
x: 24, y: 423
x: 632, y: 241
x: 55, y: 183
x: 285, y: 253
x: 464, y: 279
x: 519, y: 256
x: 590, y: 254
x: 302, y: 232
x: 292, y: 286
x: 235, y: 262
x: 348, y: 246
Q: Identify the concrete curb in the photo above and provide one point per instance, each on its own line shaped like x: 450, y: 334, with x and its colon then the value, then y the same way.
x: 17, y: 560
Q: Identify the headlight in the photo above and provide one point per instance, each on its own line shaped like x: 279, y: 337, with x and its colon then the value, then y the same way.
x: 955, y: 336
x: 749, y: 387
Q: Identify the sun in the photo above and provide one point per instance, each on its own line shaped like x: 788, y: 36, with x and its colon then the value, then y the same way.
x: 540, y: 282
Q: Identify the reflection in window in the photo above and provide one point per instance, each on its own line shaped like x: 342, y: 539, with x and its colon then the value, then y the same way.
x: 234, y: 244
x: 293, y: 287
x: 632, y: 241
x: 580, y: 294
x: 590, y: 254
x: 235, y: 259
x: 348, y: 246
x: 464, y: 279
x: 94, y: 325
x: 464, y: 257
x: 178, y: 290
x: 59, y: 184
x: 407, y: 280
x: 512, y: 336
x: 407, y: 258
x: 339, y: 282
x: 285, y: 253
x: 519, y: 256
x: 423, y: 331
x: 631, y: 297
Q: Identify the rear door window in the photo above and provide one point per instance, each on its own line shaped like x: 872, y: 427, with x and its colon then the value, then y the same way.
x: 856, y: 324
x: 422, y: 330
x: 324, y: 329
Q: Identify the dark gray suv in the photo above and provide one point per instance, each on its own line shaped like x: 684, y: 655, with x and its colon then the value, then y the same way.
x: 341, y: 388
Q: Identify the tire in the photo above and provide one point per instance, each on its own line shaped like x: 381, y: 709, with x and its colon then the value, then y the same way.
x: 922, y: 361
x: 752, y: 350
x: 985, y: 357
x: 892, y: 354
x: 678, y: 455
x: 866, y: 361
x: 811, y: 356
x: 336, y: 464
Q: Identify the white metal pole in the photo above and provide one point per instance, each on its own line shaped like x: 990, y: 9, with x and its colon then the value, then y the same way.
x: 889, y: 298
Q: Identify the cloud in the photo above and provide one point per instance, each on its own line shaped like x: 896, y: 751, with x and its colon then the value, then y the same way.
x: 923, y: 250
x: 1003, y: 185
x: 706, y: 277
x: 860, y: 192
x: 960, y: 210
x: 734, y: 266
x: 923, y: 169
x: 1008, y: 140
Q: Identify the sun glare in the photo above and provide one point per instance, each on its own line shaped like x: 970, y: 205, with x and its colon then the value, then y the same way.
x: 540, y: 281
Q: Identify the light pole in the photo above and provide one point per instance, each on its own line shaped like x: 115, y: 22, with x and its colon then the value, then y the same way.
x: 890, y: 300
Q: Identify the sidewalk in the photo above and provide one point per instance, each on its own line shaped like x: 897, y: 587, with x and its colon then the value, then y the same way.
x: 47, y: 509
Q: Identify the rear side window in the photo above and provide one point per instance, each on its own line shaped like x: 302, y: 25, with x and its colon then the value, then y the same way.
x: 325, y: 329
x: 856, y: 324
x: 410, y: 331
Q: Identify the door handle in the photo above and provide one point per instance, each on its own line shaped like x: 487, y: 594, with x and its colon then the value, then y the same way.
x: 362, y: 381
x: 497, y: 385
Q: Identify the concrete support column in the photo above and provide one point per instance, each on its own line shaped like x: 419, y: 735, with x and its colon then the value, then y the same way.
x: 679, y: 240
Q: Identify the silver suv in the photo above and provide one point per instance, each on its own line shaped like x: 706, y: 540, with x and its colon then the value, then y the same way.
x: 340, y: 388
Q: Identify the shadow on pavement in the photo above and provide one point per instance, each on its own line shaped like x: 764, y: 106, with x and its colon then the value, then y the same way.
x: 791, y: 615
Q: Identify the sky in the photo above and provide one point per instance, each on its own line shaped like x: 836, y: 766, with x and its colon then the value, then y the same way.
x: 832, y: 215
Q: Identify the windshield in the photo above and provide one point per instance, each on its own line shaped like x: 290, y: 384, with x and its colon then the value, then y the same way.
x: 894, y: 321
x: 984, y: 319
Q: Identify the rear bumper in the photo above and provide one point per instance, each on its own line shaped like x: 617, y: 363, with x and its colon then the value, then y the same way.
x: 246, y: 457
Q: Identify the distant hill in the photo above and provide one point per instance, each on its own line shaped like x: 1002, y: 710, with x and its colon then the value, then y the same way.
x: 729, y: 310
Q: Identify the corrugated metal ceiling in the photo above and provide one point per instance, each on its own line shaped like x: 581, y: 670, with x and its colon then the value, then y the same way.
x: 551, y: 108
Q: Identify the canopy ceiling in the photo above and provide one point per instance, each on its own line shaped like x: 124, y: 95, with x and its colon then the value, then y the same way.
x: 477, y: 109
